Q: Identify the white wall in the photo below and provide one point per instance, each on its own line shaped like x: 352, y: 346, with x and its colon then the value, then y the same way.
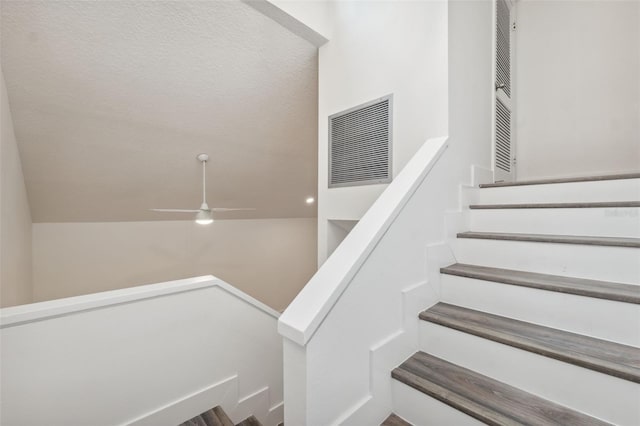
x: 15, y: 217
x: 340, y: 374
x: 471, y: 85
x: 270, y: 259
x: 378, y: 48
x: 155, y: 355
x: 577, y: 87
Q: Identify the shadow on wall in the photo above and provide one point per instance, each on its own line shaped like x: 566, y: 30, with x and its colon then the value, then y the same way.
x: 337, y: 231
x: 15, y: 217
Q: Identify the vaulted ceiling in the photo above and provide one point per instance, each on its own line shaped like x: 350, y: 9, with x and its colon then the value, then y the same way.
x: 113, y: 100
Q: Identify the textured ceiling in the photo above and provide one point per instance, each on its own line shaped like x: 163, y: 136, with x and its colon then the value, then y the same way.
x: 113, y: 100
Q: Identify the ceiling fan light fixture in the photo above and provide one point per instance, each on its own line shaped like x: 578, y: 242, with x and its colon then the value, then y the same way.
x: 204, y: 217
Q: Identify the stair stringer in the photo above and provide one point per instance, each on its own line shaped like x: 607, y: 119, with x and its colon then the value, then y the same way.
x: 458, y: 220
x: 441, y: 254
x: 398, y: 346
x: 389, y: 352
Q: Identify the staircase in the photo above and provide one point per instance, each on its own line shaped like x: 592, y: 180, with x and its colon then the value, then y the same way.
x: 217, y: 417
x: 539, y: 321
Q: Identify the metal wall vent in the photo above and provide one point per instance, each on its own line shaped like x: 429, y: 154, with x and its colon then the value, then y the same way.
x: 503, y: 137
x: 360, y: 144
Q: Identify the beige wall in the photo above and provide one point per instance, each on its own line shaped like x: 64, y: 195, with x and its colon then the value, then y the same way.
x: 577, y: 87
x: 270, y: 259
x: 15, y: 217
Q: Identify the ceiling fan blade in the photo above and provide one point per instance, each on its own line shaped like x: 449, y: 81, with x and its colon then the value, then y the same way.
x: 174, y: 211
x: 224, y: 209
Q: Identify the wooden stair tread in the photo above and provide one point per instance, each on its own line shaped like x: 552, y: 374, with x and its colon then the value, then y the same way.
x: 222, y: 416
x: 395, y: 420
x: 211, y: 419
x: 563, y: 180
x: 609, y: 204
x: 604, y: 356
x: 214, y: 417
x: 196, y: 421
x: 559, y: 239
x: 250, y: 421
x: 628, y: 293
x: 481, y: 397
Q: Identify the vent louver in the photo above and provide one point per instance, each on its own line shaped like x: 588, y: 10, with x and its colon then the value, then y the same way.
x: 503, y: 137
x: 360, y: 144
x: 503, y: 47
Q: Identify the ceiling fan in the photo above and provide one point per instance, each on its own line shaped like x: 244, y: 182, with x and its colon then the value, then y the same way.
x: 204, y: 215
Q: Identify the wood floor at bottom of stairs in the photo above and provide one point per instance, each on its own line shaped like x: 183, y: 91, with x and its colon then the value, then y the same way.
x: 218, y: 417
x: 395, y: 420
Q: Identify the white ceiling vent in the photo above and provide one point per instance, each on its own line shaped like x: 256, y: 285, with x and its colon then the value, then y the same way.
x: 360, y: 144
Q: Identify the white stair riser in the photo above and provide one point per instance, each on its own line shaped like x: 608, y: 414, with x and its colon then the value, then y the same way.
x: 597, y: 394
x: 603, y: 319
x: 617, y: 264
x: 601, y: 222
x: 613, y: 190
x: 420, y: 409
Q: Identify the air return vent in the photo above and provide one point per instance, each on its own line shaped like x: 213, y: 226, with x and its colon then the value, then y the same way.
x: 360, y: 144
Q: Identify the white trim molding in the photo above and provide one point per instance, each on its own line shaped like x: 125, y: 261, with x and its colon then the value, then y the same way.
x: 40, y: 311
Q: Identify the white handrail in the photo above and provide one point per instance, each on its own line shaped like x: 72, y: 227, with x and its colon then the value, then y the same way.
x: 21, y: 314
x: 307, y: 311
